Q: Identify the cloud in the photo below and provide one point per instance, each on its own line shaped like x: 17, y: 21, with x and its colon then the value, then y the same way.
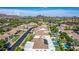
x: 57, y: 12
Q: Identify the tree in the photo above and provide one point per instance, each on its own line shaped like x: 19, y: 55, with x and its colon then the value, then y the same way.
x: 61, y: 47
x: 2, y: 45
x: 54, y: 29
x: 65, y: 35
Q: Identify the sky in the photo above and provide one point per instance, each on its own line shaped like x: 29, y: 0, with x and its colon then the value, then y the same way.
x: 45, y: 11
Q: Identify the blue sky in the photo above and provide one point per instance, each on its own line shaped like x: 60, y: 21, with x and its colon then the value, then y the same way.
x: 46, y: 11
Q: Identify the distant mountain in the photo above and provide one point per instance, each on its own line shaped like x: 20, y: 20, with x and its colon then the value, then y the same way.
x: 5, y: 15
x: 40, y: 16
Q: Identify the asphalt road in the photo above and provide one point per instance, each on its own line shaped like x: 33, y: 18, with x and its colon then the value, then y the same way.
x: 19, y: 41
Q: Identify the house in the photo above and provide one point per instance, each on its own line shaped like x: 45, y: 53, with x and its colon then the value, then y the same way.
x: 39, y: 33
x: 8, y: 35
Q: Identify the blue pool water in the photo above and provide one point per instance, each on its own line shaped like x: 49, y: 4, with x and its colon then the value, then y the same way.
x: 55, y: 43
x: 66, y: 46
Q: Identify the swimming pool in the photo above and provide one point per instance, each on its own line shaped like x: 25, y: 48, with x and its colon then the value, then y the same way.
x: 55, y: 43
x: 66, y: 46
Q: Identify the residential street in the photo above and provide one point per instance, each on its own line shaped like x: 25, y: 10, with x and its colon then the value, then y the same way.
x: 19, y: 40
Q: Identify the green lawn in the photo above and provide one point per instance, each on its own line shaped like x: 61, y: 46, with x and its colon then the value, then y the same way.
x: 18, y: 49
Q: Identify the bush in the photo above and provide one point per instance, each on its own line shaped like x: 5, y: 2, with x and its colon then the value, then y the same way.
x: 2, y: 45
x: 70, y: 49
x: 18, y: 49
